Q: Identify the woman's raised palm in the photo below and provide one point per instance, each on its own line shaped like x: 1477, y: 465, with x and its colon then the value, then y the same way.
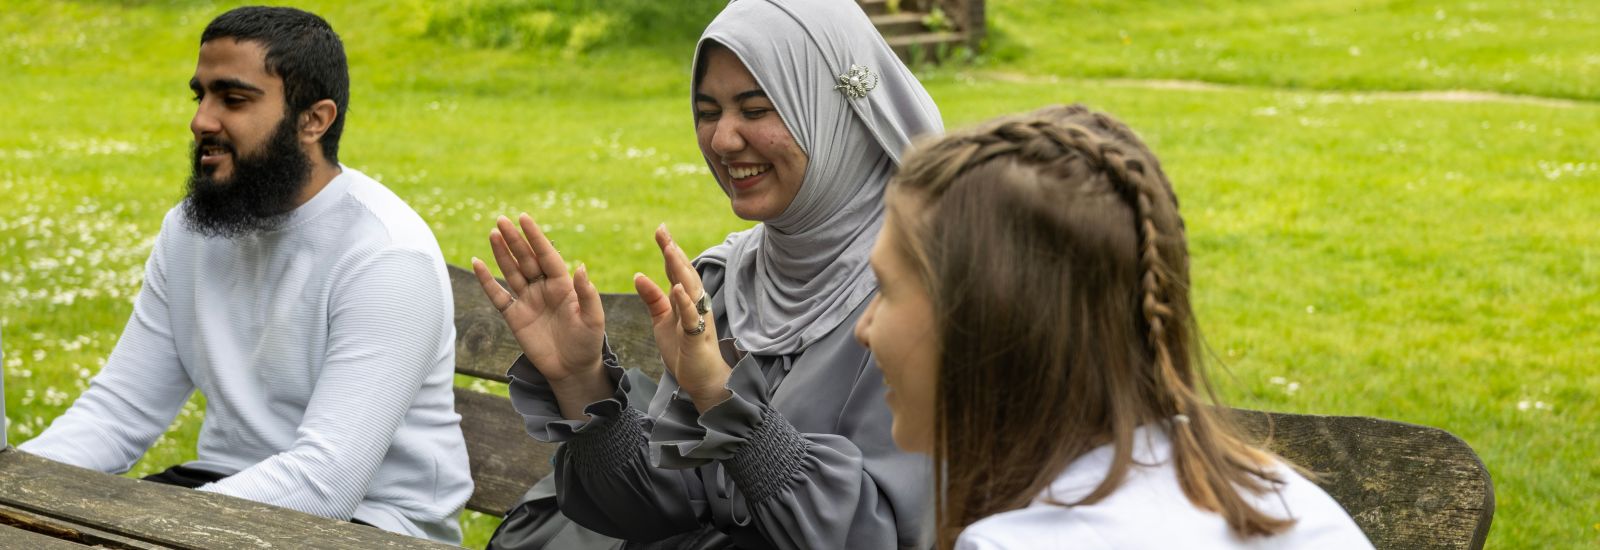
x: 557, y: 319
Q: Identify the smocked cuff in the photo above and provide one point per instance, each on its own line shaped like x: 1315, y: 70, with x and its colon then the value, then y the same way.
x: 532, y: 397
x: 773, y: 455
x: 608, y: 444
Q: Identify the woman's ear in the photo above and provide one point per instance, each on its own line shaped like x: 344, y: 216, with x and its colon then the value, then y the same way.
x: 315, y: 120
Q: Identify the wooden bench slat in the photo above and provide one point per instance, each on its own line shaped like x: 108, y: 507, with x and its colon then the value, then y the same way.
x: 505, y: 460
x: 484, y: 346
x: 12, y: 537
x: 1407, y: 486
x: 67, y: 531
x: 174, y: 516
x: 630, y: 333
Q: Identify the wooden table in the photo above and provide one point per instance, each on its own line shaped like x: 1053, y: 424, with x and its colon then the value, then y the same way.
x: 47, y: 505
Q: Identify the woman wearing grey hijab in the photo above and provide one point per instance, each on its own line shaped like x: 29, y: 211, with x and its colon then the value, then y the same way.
x: 769, y: 428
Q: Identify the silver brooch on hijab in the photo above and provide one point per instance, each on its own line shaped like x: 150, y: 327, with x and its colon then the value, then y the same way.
x: 857, y: 82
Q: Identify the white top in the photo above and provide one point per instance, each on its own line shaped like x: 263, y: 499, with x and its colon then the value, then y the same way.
x: 325, y: 350
x: 1149, y: 510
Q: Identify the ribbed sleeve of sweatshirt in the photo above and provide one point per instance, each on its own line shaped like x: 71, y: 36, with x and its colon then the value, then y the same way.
x: 133, y: 398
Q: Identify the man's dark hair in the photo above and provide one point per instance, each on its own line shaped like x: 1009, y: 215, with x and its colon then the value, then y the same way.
x: 303, y: 50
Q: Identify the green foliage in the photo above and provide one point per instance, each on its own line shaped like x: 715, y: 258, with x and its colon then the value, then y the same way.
x: 936, y: 21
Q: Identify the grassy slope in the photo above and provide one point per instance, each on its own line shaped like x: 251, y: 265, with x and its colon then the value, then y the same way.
x: 1426, y: 262
x: 1539, y: 47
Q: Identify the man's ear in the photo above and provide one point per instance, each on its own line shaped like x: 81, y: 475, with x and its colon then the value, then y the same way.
x: 315, y: 121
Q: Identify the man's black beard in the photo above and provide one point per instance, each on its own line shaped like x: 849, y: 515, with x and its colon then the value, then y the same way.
x: 259, y: 194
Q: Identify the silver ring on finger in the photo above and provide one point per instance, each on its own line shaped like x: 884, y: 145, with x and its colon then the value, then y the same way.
x: 698, y: 328
x: 702, y: 305
x: 508, y: 305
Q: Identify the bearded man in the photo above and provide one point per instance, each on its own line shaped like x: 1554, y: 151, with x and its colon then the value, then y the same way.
x: 304, y: 300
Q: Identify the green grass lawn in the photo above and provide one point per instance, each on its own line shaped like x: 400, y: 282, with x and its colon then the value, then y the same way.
x: 1355, y: 253
x: 1538, y: 47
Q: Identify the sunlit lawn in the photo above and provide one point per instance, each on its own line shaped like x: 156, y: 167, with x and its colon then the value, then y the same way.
x: 1539, y: 47
x: 1429, y: 262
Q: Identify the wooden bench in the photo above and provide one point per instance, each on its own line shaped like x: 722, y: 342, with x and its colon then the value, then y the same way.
x: 46, y: 504
x: 1407, y: 486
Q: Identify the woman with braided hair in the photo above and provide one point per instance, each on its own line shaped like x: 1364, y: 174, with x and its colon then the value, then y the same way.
x: 1033, y: 325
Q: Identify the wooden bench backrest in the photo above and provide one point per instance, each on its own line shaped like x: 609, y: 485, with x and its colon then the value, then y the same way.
x: 1407, y: 486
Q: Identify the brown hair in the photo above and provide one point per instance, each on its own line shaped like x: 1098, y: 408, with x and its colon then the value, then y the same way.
x: 1053, y: 250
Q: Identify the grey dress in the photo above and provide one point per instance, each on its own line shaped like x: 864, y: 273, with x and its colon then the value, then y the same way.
x: 800, y: 457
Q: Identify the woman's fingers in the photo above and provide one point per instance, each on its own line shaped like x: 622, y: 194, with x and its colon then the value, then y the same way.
x: 507, y: 262
x: 664, y: 242
x: 549, y: 260
x: 655, y: 301
x: 491, y: 288
x: 589, y: 305
x: 679, y: 270
x: 691, y: 321
x: 527, y: 259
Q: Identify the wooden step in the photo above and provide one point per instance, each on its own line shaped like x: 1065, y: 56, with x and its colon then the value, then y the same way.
x: 932, y: 45
x: 875, y: 7
x: 893, y: 24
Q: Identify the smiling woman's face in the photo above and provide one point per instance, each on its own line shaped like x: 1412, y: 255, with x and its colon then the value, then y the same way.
x: 755, y: 158
x: 899, y: 328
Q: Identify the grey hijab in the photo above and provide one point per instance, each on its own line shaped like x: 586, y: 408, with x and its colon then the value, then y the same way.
x: 795, y: 278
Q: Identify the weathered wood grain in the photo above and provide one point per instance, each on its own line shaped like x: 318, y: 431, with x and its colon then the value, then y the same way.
x: 174, y: 517
x: 12, y: 537
x: 67, y: 531
x: 1407, y: 486
x: 505, y: 460
x: 629, y: 332
x: 484, y: 346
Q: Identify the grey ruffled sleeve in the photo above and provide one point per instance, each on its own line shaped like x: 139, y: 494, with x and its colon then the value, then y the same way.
x: 532, y: 397
x: 850, y: 488
x: 604, y: 480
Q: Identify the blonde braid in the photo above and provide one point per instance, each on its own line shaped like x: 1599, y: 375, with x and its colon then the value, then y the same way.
x: 1157, y: 276
x: 1142, y: 183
